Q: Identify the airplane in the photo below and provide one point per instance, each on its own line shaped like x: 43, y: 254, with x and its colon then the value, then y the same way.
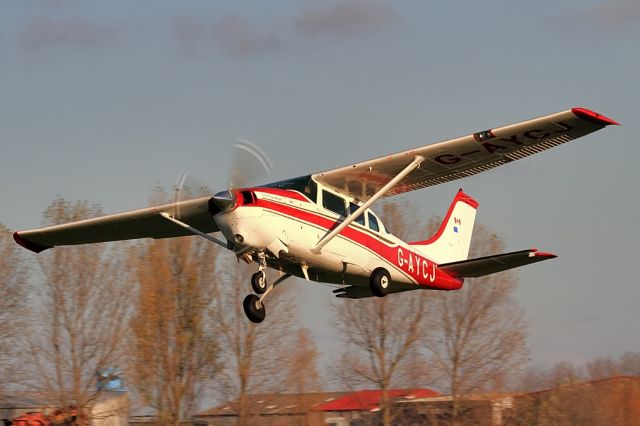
x: 320, y: 226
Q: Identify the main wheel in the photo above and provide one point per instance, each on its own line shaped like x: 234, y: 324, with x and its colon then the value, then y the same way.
x: 380, y: 282
x: 259, y: 282
x: 254, y: 308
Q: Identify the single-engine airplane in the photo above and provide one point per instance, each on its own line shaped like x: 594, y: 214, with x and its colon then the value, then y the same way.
x: 320, y: 227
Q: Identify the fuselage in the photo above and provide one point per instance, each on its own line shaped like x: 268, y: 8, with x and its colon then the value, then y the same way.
x: 285, y: 223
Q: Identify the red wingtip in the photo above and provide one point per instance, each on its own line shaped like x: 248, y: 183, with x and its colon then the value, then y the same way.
x: 29, y: 245
x: 594, y: 116
x: 542, y: 253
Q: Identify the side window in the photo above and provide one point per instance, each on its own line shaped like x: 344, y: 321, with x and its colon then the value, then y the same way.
x: 311, y: 190
x: 352, y: 209
x: 334, y: 203
x: 373, y: 223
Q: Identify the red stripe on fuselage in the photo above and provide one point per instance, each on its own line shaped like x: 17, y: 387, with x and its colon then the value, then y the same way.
x: 417, y: 267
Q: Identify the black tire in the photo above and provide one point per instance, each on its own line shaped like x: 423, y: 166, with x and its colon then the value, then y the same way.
x: 254, y: 309
x: 380, y: 282
x: 259, y: 282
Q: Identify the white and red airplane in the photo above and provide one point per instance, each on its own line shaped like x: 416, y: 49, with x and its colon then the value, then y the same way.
x: 319, y: 227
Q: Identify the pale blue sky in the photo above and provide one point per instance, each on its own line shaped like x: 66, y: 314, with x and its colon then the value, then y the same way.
x: 102, y: 100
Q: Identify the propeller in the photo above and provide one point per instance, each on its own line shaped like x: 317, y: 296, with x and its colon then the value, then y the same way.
x: 249, y: 163
x: 186, y: 188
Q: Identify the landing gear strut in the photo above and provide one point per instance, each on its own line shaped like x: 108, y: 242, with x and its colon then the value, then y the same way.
x: 253, y: 305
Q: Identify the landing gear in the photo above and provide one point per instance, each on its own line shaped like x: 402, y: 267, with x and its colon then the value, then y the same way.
x: 254, y: 309
x: 254, y: 305
x: 380, y: 282
x: 259, y: 282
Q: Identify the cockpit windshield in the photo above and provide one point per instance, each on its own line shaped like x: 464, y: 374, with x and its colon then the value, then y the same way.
x: 303, y: 184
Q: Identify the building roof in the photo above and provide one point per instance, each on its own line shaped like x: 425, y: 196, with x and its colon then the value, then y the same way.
x: 596, y: 383
x: 271, y: 404
x: 493, y: 396
x: 369, y: 400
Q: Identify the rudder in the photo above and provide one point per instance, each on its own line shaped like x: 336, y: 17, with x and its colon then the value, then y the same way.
x: 451, y: 242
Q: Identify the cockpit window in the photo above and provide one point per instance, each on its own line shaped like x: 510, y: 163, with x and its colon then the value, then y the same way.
x: 334, y: 203
x: 352, y: 208
x: 303, y: 184
x: 373, y: 223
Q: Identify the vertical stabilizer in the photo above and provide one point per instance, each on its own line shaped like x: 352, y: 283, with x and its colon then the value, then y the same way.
x: 451, y: 242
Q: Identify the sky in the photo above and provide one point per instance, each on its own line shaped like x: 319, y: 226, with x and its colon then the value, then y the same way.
x: 101, y: 101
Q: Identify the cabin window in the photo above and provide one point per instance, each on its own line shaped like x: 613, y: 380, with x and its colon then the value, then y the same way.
x: 352, y: 208
x: 373, y: 223
x: 333, y: 202
x: 311, y: 190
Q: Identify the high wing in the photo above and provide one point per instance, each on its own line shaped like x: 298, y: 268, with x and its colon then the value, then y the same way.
x: 482, y: 266
x: 412, y: 169
x: 142, y: 223
x: 465, y: 156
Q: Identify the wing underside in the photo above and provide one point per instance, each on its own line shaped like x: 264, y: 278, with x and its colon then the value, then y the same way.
x: 142, y: 223
x: 462, y: 157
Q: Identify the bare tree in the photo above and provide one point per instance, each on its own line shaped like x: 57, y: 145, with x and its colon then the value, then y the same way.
x: 627, y: 364
x: 566, y: 394
x: 477, y: 335
x: 83, y: 307
x: 175, y: 351
x: 14, y: 286
x: 566, y: 373
x: 561, y: 373
x: 256, y: 356
x: 382, y: 336
x: 302, y: 365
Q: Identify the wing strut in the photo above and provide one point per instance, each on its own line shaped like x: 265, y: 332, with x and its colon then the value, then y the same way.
x: 408, y: 169
x: 193, y: 230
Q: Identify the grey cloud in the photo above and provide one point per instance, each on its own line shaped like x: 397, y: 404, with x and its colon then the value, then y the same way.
x: 614, y: 15
x: 190, y: 34
x: 238, y: 38
x: 233, y: 34
x: 348, y: 18
x: 43, y: 32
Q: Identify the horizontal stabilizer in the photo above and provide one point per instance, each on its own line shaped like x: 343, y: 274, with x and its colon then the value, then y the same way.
x: 491, y: 264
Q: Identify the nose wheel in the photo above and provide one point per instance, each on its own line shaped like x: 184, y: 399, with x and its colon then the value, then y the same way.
x: 253, y: 304
x: 259, y: 282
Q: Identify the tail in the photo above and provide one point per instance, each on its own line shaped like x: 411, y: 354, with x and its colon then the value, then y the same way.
x: 451, y: 242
